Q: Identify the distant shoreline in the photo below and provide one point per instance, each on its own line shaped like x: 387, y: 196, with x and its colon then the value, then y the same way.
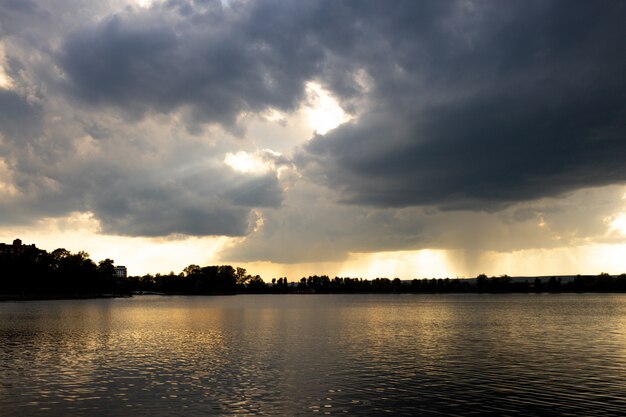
x: 20, y: 298
x: 42, y: 297
x: 29, y: 273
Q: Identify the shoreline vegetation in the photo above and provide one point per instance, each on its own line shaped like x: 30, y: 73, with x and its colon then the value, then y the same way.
x: 36, y: 274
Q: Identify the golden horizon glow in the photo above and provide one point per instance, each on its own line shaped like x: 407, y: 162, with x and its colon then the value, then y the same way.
x: 423, y: 263
x: 437, y: 263
x: 143, y: 255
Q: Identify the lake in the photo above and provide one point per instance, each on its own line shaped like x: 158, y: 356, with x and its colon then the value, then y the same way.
x: 465, y: 354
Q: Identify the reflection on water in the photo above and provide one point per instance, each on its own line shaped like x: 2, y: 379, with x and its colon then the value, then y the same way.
x: 301, y: 355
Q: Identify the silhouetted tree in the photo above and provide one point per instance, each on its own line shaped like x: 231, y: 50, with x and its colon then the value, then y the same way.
x: 191, y: 270
x: 554, y: 284
x: 107, y: 280
x: 396, y: 285
x: 241, y: 276
x: 256, y: 285
x: 481, y: 282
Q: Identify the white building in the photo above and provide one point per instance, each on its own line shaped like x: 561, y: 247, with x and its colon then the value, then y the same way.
x: 121, y: 271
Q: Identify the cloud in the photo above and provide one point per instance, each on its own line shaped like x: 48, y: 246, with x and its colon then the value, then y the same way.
x: 482, y: 107
x: 135, y: 202
x: 211, y: 200
x: 146, y: 179
x: 471, y: 122
x: 311, y: 226
x: 20, y: 119
x: 95, y: 121
x: 215, y: 63
x: 16, y: 16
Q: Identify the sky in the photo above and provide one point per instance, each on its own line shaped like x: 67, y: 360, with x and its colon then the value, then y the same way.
x: 349, y: 138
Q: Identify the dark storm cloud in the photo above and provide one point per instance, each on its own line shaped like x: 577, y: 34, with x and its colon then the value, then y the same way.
x: 457, y: 105
x: 185, y: 195
x: 138, y: 179
x: 210, y: 203
x: 223, y: 61
x: 215, y: 63
x: 19, y: 119
x: 17, y: 15
x: 470, y: 104
x: 485, y: 105
x: 166, y: 210
x: 255, y: 192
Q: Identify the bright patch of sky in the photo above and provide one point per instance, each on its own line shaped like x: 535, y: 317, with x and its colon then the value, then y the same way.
x: 5, y: 81
x: 323, y: 111
x: 144, y: 3
x: 246, y: 162
x: 618, y: 224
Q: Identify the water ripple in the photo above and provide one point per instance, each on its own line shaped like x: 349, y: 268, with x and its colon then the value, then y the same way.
x: 315, y: 355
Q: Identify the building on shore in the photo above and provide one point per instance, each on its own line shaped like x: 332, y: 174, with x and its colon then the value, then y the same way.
x: 121, y: 271
x: 16, y: 248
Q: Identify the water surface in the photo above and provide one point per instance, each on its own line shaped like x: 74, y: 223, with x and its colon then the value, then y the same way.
x: 315, y: 354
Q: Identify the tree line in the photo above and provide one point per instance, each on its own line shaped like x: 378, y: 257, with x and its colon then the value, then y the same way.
x: 38, y: 274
